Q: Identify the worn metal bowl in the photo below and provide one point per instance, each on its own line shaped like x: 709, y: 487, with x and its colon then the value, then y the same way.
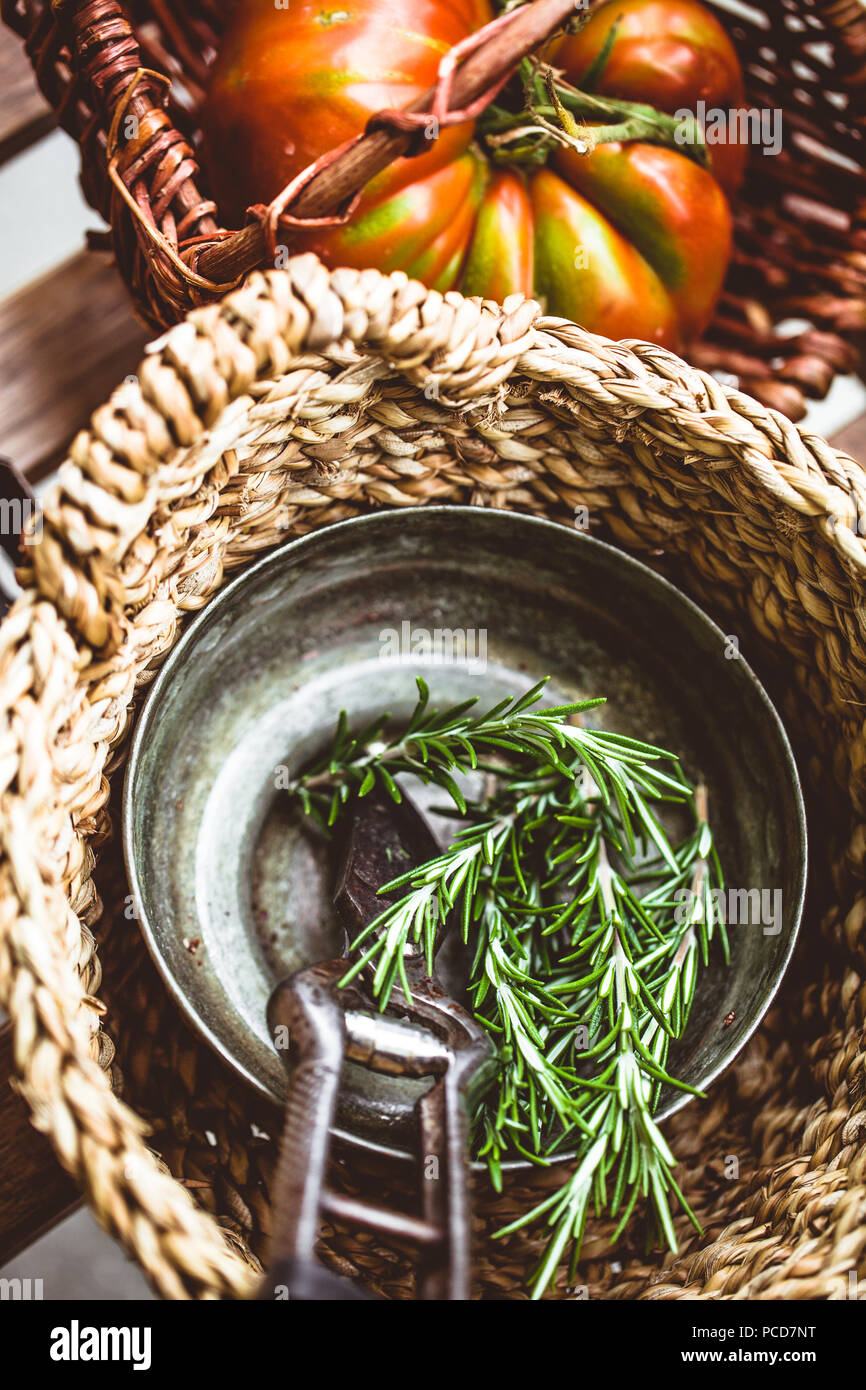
x: 232, y: 890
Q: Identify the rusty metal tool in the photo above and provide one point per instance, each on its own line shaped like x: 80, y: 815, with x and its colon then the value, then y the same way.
x: 429, y: 1035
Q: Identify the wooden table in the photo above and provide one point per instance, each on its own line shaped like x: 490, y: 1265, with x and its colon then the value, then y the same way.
x: 65, y: 342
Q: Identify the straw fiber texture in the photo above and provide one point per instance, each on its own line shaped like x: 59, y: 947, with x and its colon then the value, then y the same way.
x: 305, y: 397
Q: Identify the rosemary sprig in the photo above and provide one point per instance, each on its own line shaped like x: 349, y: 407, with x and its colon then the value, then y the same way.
x: 437, y: 744
x: 568, y: 886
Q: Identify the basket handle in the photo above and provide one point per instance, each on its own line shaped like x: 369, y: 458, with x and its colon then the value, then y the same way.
x: 489, y: 57
x: 49, y: 972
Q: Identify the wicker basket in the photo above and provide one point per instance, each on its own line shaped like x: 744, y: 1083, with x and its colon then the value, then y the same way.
x: 305, y: 397
x: 800, y: 252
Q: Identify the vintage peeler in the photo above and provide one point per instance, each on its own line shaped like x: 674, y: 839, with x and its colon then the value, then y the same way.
x: 429, y: 1035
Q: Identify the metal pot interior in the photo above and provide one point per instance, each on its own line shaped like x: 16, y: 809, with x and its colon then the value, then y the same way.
x: 233, y: 892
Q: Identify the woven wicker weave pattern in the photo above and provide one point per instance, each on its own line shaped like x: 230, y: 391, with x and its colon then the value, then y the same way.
x: 305, y: 397
x: 800, y: 221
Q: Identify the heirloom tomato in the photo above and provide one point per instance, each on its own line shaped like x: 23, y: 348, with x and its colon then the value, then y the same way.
x: 630, y: 240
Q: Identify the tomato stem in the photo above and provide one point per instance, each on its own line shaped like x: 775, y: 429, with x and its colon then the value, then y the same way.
x: 547, y: 121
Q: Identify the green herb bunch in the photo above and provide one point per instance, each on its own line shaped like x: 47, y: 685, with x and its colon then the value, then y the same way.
x: 585, y: 950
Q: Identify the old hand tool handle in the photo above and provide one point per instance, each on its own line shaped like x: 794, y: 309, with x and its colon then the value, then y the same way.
x: 445, y: 1125
x: 306, y: 1008
x: 431, y: 1037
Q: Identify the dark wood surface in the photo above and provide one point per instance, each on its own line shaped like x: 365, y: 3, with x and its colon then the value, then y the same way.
x: 68, y: 338
x: 852, y: 439
x: 65, y: 341
x: 34, y: 1190
x: 24, y: 116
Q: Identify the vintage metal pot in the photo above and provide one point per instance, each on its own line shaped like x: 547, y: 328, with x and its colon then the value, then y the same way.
x: 234, y: 893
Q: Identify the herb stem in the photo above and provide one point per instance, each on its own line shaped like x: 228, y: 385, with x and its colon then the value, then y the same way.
x: 570, y: 888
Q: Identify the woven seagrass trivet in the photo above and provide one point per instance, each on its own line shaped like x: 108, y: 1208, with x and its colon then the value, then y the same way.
x: 303, y: 398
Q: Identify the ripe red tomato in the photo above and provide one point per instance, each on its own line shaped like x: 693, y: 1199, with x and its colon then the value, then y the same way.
x: 631, y: 240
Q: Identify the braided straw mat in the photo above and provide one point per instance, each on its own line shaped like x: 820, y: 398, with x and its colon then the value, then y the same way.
x: 303, y: 398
